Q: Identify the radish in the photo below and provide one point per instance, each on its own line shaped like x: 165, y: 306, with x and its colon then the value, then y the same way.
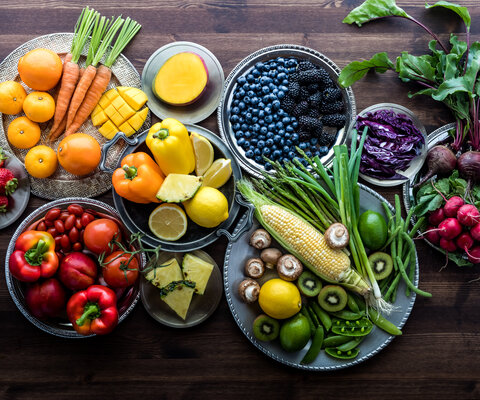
x: 475, y: 232
x: 440, y: 160
x: 452, y: 206
x: 436, y: 216
x: 464, y: 241
x: 448, y: 245
x: 474, y: 255
x: 468, y: 215
x: 432, y: 235
x: 449, y: 228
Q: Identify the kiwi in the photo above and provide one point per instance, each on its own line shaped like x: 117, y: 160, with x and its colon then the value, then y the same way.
x: 382, y: 264
x: 308, y: 284
x: 332, y: 298
x: 266, y: 328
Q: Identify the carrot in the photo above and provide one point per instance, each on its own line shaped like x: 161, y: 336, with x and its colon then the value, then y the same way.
x: 103, y: 76
x: 71, y: 70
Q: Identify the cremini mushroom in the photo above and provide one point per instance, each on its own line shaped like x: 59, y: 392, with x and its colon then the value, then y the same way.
x: 337, y: 236
x: 254, y: 268
x: 270, y: 257
x: 249, y: 290
x: 260, y: 239
x: 289, y: 267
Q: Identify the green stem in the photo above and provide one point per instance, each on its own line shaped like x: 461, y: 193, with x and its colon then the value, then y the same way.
x: 91, y: 311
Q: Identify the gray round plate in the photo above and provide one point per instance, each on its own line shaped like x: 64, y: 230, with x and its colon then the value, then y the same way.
x: 201, y: 307
x: 265, y: 54
x: 18, y: 201
x: 236, y: 255
x: 205, y: 105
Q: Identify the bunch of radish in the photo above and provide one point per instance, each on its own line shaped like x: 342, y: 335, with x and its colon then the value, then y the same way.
x: 456, y: 226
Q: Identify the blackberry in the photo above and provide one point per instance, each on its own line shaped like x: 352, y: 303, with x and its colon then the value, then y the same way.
x: 313, y: 112
x: 331, y: 108
x: 288, y: 104
x: 309, y: 123
x: 305, y: 65
x: 313, y: 88
x: 332, y: 93
x: 304, y: 93
x: 294, y: 89
x: 335, y: 120
x: 310, y: 76
x: 326, y: 139
x: 301, y: 109
x: 293, y: 77
x: 304, y: 136
x: 315, y: 100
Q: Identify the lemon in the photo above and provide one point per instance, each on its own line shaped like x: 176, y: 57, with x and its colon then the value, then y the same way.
x: 279, y: 299
x: 218, y: 174
x: 203, y: 150
x: 168, y: 222
x: 208, y: 208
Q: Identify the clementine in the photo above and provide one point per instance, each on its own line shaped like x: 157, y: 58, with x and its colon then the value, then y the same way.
x: 23, y: 133
x: 12, y: 95
x: 41, y: 161
x: 39, y: 106
x: 79, y: 153
x: 40, y: 69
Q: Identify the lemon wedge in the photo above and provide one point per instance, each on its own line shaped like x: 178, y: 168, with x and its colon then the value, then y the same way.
x: 203, y: 150
x: 218, y: 174
x: 168, y: 222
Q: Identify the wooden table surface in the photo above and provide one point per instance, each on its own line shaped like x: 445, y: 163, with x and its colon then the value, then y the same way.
x: 438, y: 354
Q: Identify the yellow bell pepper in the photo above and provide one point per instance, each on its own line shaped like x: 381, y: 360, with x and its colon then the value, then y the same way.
x: 171, y: 147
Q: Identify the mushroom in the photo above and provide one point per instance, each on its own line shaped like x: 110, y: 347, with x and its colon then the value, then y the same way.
x: 289, y: 267
x: 249, y: 290
x: 337, y: 236
x: 254, y: 268
x: 260, y: 239
x: 270, y: 257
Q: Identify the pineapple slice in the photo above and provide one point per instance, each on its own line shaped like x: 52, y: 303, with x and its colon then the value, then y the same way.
x: 161, y: 276
x: 197, y: 270
x: 178, y: 296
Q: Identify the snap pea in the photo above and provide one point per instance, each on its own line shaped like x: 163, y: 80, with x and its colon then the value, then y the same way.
x: 360, y: 327
x: 305, y: 312
x: 334, y: 341
x: 360, y: 303
x: 351, y: 303
x: 313, y: 316
x: 351, y: 344
x: 383, y: 323
x: 315, y: 347
x: 348, y: 315
x: 322, y: 316
x: 344, y: 355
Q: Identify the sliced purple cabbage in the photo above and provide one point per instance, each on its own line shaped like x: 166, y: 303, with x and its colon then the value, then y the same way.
x: 392, y: 142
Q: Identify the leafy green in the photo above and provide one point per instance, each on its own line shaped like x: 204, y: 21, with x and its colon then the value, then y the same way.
x: 428, y: 203
x: 462, y: 12
x: 374, y: 9
x: 357, y: 69
x: 417, y: 68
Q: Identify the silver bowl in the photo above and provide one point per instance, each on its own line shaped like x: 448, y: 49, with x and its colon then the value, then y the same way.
x: 61, y: 326
x: 266, y: 54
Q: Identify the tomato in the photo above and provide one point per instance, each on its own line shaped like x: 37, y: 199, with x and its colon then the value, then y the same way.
x: 99, y: 233
x: 118, y: 272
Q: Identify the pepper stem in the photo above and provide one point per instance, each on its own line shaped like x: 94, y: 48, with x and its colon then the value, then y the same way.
x: 91, y: 311
x: 161, y: 134
x: 34, y: 256
x: 130, y: 172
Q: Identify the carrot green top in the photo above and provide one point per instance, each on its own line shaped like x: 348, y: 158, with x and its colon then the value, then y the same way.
x: 83, y: 28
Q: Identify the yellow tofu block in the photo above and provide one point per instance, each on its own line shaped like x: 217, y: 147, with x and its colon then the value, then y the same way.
x: 118, y: 102
x: 99, y: 118
x: 126, y: 111
x: 110, y: 110
x: 117, y: 119
x: 96, y: 110
x: 127, y: 129
x: 108, y: 130
x: 138, y: 119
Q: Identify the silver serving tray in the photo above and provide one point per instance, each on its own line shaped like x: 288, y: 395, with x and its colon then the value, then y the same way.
x: 265, y: 54
x: 236, y: 255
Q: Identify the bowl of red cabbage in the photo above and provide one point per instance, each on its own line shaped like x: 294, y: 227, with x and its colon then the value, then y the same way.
x: 395, y: 147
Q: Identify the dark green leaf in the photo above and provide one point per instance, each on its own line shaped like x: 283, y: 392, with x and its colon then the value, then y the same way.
x: 357, y: 69
x: 426, y: 188
x: 429, y: 203
x: 443, y: 185
x: 459, y: 47
x: 374, y: 9
x: 435, y: 203
x: 476, y: 192
x: 473, y: 66
x: 462, y: 12
x: 451, y: 86
x: 426, y: 198
x: 426, y: 92
x: 417, y: 68
x: 458, y: 259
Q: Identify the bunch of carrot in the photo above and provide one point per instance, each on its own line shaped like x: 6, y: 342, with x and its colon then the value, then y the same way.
x: 81, y: 89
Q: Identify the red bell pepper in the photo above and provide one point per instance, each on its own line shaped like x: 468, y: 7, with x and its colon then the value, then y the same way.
x: 46, y: 299
x: 93, y: 311
x: 34, y: 256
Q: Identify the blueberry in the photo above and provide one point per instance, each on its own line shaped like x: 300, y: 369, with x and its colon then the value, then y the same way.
x: 295, y: 138
x: 255, y: 127
x: 275, y: 92
x: 276, y: 104
x: 271, y: 86
x: 261, y: 105
x: 265, y: 89
x: 272, y: 97
x: 281, y: 132
x: 291, y: 62
x: 280, y: 94
x: 235, y: 102
x: 272, y: 73
x: 284, y: 83
x: 286, y: 120
x: 313, y: 141
x: 250, y: 93
x: 264, y: 80
x: 241, y: 80
x: 276, y: 154
x: 291, y: 155
x: 268, y: 111
x: 271, y: 127
x: 266, y: 151
x: 259, y: 66
x: 286, y: 149
x: 238, y: 134
x: 261, y: 137
x: 303, y: 145
x: 249, y: 154
x: 254, y: 100
x: 261, y: 113
x: 268, y: 119
x: 235, y: 110
x: 322, y: 150
x: 269, y: 142
x: 246, y: 86
x: 279, y: 125
x: 263, y: 130
x: 247, y: 135
x: 248, y: 117
x: 284, y: 88
x: 259, y: 159
x: 276, y: 117
x: 266, y: 67
x: 256, y: 73
x: 246, y: 100
x: 236, y: 126
x: 257, y: 152
x: 308, y: 153
x: 254, y: 119
x: 290, y: 128
x: 241, y: 119
x: 288, y: 142
x: 294, y: 123
x: 269, y: 135
x: 250, y: 78
x: 277, y: 138
x: 244, y: 127
x: 245, y: 145
x: 242, y: 105
x: 255, y: 111
x: 261, y: 144
x: 261, y: 122
x: 268, y: 166
x: 241, y: 141
x: 253, y: 142
x: 282, y: 142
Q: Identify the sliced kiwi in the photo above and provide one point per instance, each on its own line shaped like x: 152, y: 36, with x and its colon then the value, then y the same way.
x: 266, y: 328
x: 308, y: 284
x: 332, y: 298
x: 382, y: 264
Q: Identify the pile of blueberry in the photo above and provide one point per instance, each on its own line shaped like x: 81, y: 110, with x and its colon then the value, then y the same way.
x: 284, y: 103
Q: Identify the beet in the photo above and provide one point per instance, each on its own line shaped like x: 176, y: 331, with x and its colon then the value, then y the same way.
x: 452, y: 206
x: 469, y: 165
x: 436, y: 216
x: 475, y: 232
x: 449, y: 228
x: 440, y: 160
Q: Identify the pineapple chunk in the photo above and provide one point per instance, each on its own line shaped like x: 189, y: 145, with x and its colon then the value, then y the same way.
x: 108, y: 129
x: 99, y: 118
x: 197, y: 270
x: 178, y: 295
x: 127, y: 129
x: 161, y: 276
x: 135, y: 98
x: 137, y: 120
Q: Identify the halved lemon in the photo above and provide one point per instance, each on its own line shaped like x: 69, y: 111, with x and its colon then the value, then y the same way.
x: 168, y: 222
x: 218, y: 174
x: 203, y: 153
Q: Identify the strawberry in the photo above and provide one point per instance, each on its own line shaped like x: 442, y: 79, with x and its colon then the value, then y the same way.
x: 3, y: 157
x: 3, y: 203
x: 8, y: 183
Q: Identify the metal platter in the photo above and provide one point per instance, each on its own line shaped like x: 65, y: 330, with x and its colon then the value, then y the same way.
x: 265, y: 54
x: 244, y: 314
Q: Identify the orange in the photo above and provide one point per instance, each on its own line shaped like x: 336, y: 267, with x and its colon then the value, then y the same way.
x: 12, y: 95
x: 79, y: 153
x: 41, y: 161
x: 40, y: 69
x: 39, y: 106
x: 23, y: 133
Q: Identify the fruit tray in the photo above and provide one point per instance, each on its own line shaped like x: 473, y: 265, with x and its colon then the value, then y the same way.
x: 236, y: 255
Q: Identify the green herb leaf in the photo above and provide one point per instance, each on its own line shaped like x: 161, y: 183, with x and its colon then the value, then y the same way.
x: 459, y: 47
x: 462, y: 12
x: 458, y: 259
x: 374, y: 9
x: 357, y: 69
x: 428, y: 203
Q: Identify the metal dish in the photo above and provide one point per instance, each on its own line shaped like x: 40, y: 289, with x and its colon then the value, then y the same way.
x: 127, y: 299
x: 135, y: 216
x: 61, y: 183
x: 17, y: 202
x: 244, y: 314
x: 265, y: 54
x: 205, y: 105
x: 416, y: 163
x: 201, y: 307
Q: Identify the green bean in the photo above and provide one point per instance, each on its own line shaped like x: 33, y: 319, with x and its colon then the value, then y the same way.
x: 351, y: 303
x: 360, y: 303
x: 334, y: 341
x: 322, y: 316
x: 305, y: 312
x: 315, y: 346
x: 383, y: 323
x: 348, y: 315
x: 409, y: 260
x: 407, y: 220
x: 392, y: 287
x: 314, y: 318
x: 408, y: 281
x: 416, y: 227
x: 391, y: 238
x: 351, y: 344
x: 388, y: 213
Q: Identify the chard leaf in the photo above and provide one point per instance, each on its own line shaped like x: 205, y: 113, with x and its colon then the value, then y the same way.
x: 426, y: 188
x: 374, y: 9
x: 462, y: 12
x: 473, y: 66
x: 357, y: 69
x: 459, y: 47
x: 451, y: 69
x: 451, y: 86
x: 427, y: 92
x: 417, y: 68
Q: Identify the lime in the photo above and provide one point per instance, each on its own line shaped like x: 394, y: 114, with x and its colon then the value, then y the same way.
x: 203, y: 153
x: 208, y: 208
x: 295, y: 333
x: 218, y: 174
x: 168, y: 222
x: 279, y: 299
x: 373, y: 229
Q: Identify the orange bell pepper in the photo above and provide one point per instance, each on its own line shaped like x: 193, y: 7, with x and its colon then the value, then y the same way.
x: 138, y: 179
